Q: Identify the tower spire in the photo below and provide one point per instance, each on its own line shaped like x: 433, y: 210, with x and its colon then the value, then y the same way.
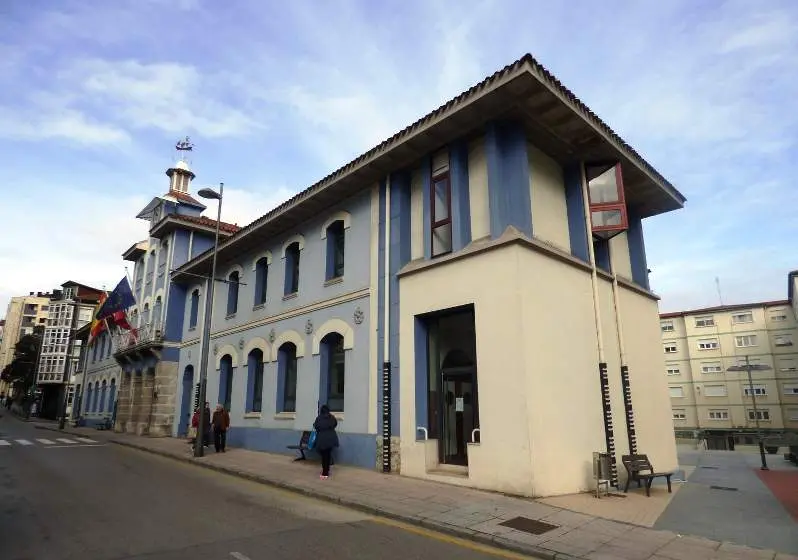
x: 180, y: 174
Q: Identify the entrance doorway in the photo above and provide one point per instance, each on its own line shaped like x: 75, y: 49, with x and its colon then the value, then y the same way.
x: 452, y: 383
x: 185, y: 404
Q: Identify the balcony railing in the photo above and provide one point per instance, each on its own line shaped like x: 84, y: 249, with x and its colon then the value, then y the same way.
x: 145, y: 334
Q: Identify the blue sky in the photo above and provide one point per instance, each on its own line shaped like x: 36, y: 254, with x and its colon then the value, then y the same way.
x: 275, y: 95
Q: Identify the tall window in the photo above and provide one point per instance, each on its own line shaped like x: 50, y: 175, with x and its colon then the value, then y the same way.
x: 193, y: 310
x: 89, y: 393
x: 441, y: 206
x: 286, y: 377
x: 96, y: 396
x: 333, y: 372
x: 255, y: 381
x: 226, y: 381
x: 607, y: 201
x: 232, y: 293
x: 261, y: 280
x: 292, y: 268
x: 103, y: 390
x: 156, y: 312
x: 335, y: 250
x: 112, y: 396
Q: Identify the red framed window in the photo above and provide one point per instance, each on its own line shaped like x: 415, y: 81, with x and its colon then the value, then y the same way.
x: 608, y: 215
x: 440, y: 207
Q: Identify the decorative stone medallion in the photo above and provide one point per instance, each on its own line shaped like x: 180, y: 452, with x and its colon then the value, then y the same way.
x: 358, y: 316
x: 272, y: 335
x: 188, y: 354
x: 241, y: 344
x: 215, y: 349
x: 309, y: 327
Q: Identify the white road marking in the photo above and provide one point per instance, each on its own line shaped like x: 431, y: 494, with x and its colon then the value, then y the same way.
x: 73, y: 446
x: 3, y: 443
x: 24, y: 442
x: 239, y: 556
x: 45, y: 441
x: 85, y: 440
x: 65, y: 440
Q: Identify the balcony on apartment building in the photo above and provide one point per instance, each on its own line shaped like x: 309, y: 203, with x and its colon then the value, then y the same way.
x: 137, y: 343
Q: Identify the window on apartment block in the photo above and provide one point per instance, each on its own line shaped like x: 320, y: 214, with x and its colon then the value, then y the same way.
x: 715, y: 391
x: 745, y: 317
x: 790, y: 389
x: 676, y: 392
x: 261, y: 280
x: 286, y: 377
x: 441, y: 206
x: 255, y: 381
x: 708, y: 344
x: 788, y: 365
x: 758, y: 390
x: 333, y: 374
x: 706, y: 321
x: 232, y: 292
x: 193, y: 312
x: 783, y: 340
x: 672, y: 370
x: 792, y: 414
x: 607, y: 201
x: 666, y: 326
x: 718, y: 415
x: 336, y: 243
x: 759, y: 414
x: 291, y: 269
x: 711, y: 367
x: 745, y: 341
x: 679, y: 414
x: 670, y: 348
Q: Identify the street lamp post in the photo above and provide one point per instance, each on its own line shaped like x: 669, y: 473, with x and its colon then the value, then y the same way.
x: 748, y: 368
x: 199, y: 449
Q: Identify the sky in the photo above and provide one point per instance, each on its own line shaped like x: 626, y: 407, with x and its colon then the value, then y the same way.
x: 276, y: 95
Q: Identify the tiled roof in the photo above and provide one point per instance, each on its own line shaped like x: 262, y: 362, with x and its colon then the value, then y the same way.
x: 721, y: 308
x: 203, y: 221
x: 183, y: 197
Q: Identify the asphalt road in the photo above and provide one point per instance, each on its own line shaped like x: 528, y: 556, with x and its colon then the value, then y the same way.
x: 81, y: 499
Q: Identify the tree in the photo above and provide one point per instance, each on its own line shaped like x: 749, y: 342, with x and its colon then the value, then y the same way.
x: 21, y: 372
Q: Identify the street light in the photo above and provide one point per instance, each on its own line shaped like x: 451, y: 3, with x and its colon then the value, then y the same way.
x: 749, y: 367
x: 199, y: 443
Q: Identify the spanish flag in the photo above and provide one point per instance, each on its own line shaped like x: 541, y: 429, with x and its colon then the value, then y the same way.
x: 118, y: 319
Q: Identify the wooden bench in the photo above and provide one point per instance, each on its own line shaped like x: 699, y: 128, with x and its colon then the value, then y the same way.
x: 302, y: 446
x: 639, y: 469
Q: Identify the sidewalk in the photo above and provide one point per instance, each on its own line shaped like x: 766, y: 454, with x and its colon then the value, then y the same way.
x: 454, y: 510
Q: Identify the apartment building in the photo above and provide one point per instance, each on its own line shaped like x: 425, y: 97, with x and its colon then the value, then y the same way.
x: 701, y: 345
x: 23, y: 314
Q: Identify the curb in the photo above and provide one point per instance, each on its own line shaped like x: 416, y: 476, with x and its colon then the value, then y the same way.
x: 451, y: 530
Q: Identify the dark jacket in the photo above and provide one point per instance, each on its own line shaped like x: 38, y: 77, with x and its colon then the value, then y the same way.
x: 221, y: 420
x: 326, y: 437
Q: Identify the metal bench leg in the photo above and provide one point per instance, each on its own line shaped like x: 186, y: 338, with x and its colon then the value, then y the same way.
x: 648, y: 487
x: 626, y: 488
x: 669, y: 485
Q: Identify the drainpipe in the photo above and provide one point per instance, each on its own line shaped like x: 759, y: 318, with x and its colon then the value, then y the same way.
x: 609, y: 435
x: 386, y: 349
x: 625, y: 383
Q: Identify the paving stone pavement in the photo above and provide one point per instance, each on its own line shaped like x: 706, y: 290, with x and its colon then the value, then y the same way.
x: 454, y: 510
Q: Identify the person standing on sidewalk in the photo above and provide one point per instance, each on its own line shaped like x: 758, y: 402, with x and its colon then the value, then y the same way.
x: 221, y: 423
x: 326, y: 438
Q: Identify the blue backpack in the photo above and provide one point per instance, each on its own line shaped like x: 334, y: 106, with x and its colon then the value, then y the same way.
x: 312, y: 440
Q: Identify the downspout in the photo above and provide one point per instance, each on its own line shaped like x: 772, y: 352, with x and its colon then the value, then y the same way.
x: 625, y: 383
x: 386, y: 349
x: 609, y: 434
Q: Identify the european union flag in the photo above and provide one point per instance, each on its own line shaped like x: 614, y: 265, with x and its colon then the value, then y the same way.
x: 118, y: 300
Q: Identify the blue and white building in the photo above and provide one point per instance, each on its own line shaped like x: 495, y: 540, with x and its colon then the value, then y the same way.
x: 470, y: 298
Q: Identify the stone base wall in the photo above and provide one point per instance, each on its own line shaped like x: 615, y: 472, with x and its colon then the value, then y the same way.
x: 395, y: 454
x: 146, y: 401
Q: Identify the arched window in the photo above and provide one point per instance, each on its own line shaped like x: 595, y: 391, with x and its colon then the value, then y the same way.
x: 156, y: 312
x: 103, y: 389
x: 255, y: 381
x: 286, y: 378
x: 96, y: 344
x: 292, y: 268
x: 110, y: 345
x: 145, y: 314
x: 226, y: 381
x: 333, y: 372
x: 261, y: 278
x: 194, y: 310
x: 112, y: 396
x: 87, y: 406
x: 335, y: 250
x: 232, y: 293
x: 95, y: 402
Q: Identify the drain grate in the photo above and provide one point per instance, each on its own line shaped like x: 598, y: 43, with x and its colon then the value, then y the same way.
x: 528, y: 525
x: 728, y: 488
x: 703, y: 467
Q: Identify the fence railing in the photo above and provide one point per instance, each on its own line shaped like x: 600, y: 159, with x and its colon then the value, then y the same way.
x: 141, y: 335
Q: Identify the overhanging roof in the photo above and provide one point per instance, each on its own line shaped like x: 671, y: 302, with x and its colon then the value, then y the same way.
x: 722, y: 308
x: 555, y: 120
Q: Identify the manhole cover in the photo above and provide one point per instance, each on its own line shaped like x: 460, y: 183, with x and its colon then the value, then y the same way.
x: 528, y: 525
x: 728, y: 488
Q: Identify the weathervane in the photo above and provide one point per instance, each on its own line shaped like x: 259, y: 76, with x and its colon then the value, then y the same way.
x: 184, y: 145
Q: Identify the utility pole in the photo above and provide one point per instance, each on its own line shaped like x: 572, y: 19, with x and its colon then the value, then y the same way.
x: 748, y: 368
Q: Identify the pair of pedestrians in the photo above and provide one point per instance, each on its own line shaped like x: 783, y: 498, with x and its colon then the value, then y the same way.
x: 218, y: 423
